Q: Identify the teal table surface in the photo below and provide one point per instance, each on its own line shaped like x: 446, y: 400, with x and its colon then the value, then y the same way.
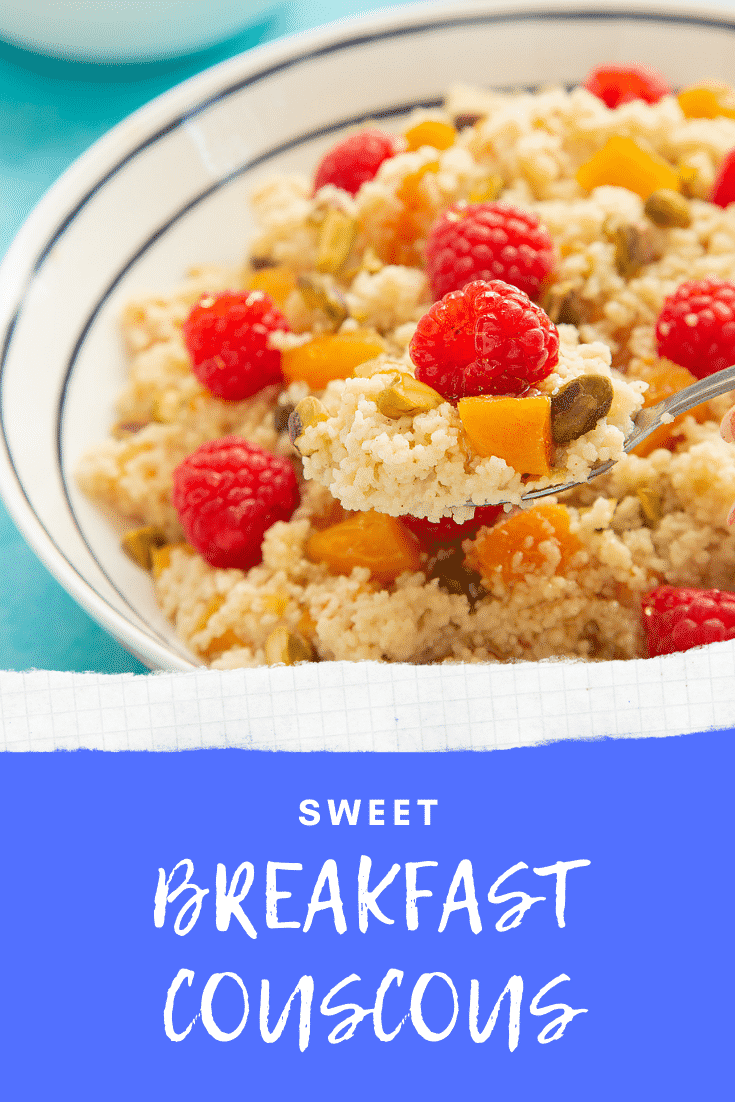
x: 51, y: 111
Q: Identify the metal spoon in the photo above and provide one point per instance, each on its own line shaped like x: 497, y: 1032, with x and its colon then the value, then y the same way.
x: 647, y: 420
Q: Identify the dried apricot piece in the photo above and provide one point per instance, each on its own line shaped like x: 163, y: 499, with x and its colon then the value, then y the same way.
x: 665, y: 378
x: 218, y: 646
x: 708, y: 100
x: 411, y: 222
x: 623, y: 163
x: 332, y: 356
x: 517, y: 430
x: 278, y: 282
x: 375, y: 540
x: 439, y: 135
x: 409, y: 191
x: 519, y: 545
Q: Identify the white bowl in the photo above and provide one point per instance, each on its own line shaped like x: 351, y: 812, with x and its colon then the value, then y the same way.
x: 125, y: 30
x: 167, y: 188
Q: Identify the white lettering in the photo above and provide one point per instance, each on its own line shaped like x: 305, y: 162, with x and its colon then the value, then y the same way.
x: 228, y: 904
x: 208, y: 1018
x: 309, y: 816
x: 469, y: 903
x: 350, y: 813
x: 366, y: 899
x: 526, y: 901
x: 416, y: 998
x: 401, y: 812
x: 168, y: 1010
x: 334, y: 902
x: 391, y: 975
x: 305, y: 990
x: 272, y: 895
x: 427, y: 806
x: 377, y: 812
x: 412, y: 892
x: 163, y: 896
x: 561, y: 868
x: 564, y: 1018
x: 346, y: 1028
x: 514, y: 988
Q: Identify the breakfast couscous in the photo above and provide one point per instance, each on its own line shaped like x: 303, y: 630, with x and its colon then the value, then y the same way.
x: 601, y: 223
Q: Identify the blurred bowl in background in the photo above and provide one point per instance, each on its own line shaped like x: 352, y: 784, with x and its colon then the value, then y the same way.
x: 126, y: 30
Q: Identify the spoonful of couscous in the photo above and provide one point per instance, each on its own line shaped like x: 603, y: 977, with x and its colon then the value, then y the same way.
x: 534, y: 413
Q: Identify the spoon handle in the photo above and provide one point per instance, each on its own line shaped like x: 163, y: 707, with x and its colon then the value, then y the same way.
x: 649, y: 419
x: 681, y: 402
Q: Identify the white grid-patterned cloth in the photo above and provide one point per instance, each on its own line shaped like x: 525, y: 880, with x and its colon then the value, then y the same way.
x: 370, y: 706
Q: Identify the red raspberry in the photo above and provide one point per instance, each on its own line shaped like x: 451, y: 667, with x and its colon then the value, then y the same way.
x: 723, y: 189
x: 446, y: 530
x: 227, y: 338
x: 355, y: 160
x: 616, y: 84
x: 679, y: 619
x: 696, y: 327
x: 488, y: 338
x: 487, y: 241
x: 227, y: 494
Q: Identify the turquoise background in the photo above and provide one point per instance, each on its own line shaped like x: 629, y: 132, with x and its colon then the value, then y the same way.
x: 51, y: 111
